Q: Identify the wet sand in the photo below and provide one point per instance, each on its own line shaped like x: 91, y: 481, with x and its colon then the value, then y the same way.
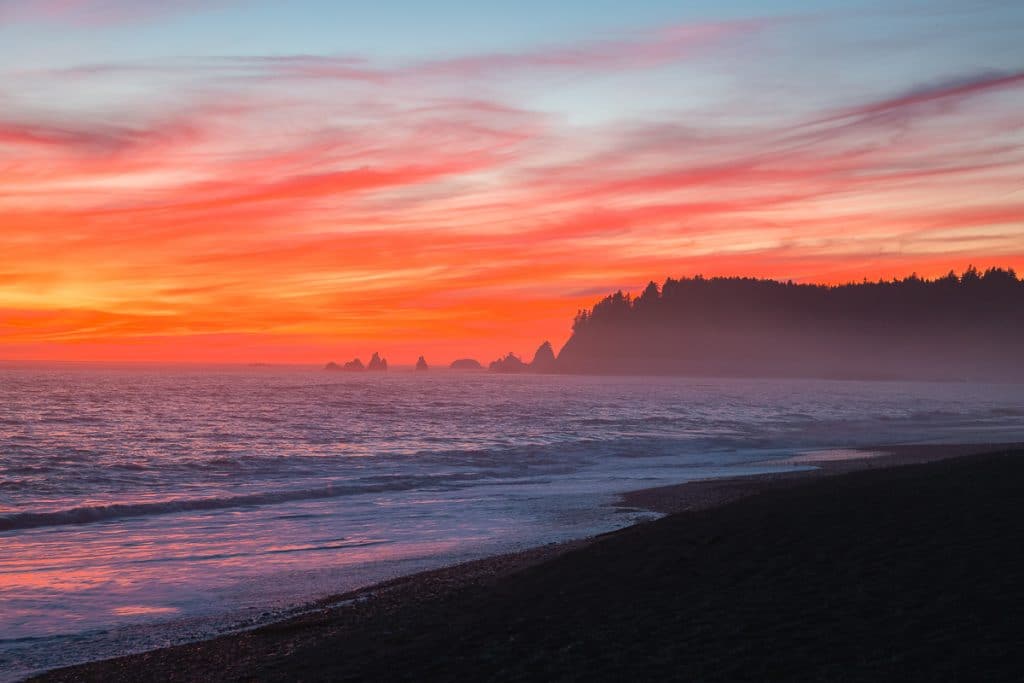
x: 905, y: 565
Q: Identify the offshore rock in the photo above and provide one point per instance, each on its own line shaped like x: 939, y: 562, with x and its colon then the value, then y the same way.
x: 509, y: 364
x: 466, y: 364
x: 544, y: 359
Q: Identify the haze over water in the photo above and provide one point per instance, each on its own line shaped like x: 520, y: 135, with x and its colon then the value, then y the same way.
x: 198, y: 500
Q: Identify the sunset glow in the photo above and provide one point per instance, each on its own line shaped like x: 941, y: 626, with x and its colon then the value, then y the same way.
x: 184, y: 181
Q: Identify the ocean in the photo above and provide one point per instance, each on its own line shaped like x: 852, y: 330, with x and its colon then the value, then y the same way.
x: 144, y: 506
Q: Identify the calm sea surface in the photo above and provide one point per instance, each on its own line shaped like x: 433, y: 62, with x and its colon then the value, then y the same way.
x: 146, y: 506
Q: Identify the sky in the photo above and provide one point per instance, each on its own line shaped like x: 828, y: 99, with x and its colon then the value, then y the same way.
x: 304, y: 181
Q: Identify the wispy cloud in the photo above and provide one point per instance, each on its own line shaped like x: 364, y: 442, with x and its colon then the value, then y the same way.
x: 96, y: 12
x: 639, y: 50
x: 943, y: 93
x: 302, y: 199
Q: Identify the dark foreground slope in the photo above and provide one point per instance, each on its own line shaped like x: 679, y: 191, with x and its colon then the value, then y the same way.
x: 910, y: 573
x: 954, y: 328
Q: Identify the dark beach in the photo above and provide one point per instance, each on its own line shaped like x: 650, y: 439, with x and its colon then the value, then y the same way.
x: 902, y: 566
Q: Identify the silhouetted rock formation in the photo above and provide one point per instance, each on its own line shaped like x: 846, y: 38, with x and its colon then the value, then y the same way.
x: 354, y: 365
x: 421, y: 364
x: 377, y: 364
x: 510, y: 363
x: 332, y: 366
x: 544, y: 359
x: 466, y: 364
x: 968, y: 327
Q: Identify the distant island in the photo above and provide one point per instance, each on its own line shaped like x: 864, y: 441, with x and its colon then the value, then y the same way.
x: 466, y: 364
x: 508, y: 364
x: 968, y: 327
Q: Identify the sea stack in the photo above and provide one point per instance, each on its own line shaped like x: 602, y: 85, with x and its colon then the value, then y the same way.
x: 377, y: 364
x: 354, y: 365
x: 421, y: 364
x: 544, y: 360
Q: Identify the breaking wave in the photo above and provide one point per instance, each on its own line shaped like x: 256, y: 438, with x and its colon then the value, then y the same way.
x: 89, y: 514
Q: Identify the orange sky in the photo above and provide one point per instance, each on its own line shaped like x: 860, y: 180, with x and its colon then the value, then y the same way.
x: 288, y: 210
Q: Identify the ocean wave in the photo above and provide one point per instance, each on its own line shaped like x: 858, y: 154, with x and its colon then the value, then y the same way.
x: 90, y: 514
x: 1007, y: 412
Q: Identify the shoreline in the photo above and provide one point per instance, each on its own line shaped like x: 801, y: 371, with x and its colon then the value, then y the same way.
x: 335, y: 615
x: 706, y: 494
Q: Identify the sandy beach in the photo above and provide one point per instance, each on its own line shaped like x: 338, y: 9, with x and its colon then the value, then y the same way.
x: 835, y: 573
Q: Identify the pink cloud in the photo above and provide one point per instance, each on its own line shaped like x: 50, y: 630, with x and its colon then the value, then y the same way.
x: 94, y: 138
x: 941, y: 94
x: 95, y: 12
x: 639, y: 50
x: 298, y: 203
x: 642, y: 50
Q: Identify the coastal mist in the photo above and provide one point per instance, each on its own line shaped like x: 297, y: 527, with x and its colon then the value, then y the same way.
x: 145, y: 506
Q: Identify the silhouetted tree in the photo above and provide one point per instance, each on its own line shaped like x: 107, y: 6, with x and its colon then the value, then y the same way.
x: 957, y: 327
